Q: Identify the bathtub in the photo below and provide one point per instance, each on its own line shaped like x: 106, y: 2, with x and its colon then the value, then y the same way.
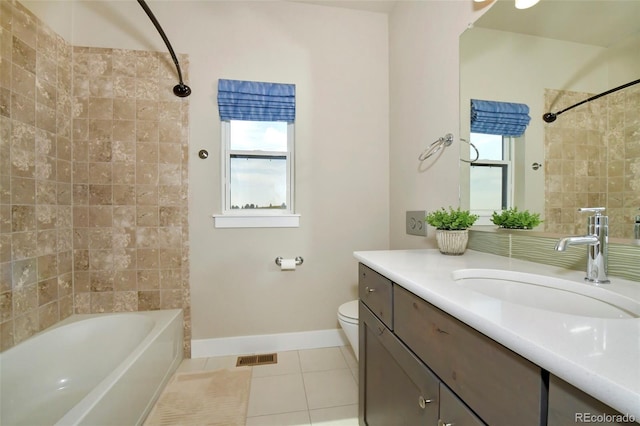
x: 100, y: 369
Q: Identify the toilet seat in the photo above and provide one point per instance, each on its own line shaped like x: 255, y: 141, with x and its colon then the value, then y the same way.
x: 348, y: 312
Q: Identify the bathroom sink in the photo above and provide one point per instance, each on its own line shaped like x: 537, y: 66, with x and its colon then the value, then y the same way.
x: 548, y: 293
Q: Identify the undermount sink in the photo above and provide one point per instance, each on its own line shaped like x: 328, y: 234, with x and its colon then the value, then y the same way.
x: 548, y: 293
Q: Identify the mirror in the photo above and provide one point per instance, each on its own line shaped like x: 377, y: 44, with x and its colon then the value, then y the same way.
x: 550, y: 57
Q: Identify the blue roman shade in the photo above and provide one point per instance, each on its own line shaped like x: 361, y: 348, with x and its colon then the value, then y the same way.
x: 256, y: 101
x: 499, y: 118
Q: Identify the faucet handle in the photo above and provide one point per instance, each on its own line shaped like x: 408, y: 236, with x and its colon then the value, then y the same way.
x: 596, y: 210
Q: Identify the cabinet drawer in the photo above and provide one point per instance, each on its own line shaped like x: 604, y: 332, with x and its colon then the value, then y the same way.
x: 500, y: 386
x: 395, y: 387
x: 376, y: 292
x: 454, y: 412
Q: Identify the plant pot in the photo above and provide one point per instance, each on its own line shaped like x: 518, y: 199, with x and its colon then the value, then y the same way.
x: 452, y: 242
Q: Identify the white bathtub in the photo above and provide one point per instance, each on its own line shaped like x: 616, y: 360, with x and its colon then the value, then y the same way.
x: 102, y: 369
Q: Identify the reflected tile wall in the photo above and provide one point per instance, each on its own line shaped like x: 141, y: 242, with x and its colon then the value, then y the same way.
x: 592, y: 159
x: 93, y: 183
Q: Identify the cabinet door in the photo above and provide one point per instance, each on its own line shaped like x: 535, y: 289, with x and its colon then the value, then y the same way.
x: 569, y: 405
x: 503, y: 388
x: 454, y: 412
x: 395, y: 388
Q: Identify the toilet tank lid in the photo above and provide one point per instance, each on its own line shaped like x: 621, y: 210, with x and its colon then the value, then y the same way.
x: 349, y: 309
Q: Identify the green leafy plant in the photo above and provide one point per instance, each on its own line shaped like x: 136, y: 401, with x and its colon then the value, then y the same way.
x: 451, y: 220
x: 514, y: 219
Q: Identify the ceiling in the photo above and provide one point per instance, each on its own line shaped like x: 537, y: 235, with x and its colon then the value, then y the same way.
x: 380, y: 6
x: 594, y: 22
x: 598, y: 23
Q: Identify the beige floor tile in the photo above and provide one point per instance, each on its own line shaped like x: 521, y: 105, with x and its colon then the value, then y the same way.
x: 288, y: 363
x: 330, y: 388
x: 298, y: 418
x: 191, y: 364
x: 322, y: 359
x: 346, y: 415
x: 276, y: 394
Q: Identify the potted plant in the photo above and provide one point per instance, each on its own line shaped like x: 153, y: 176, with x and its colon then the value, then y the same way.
x: 452, y: 233
x: 514, y: 219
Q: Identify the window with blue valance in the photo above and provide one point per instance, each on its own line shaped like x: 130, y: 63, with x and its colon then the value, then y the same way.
x: 256, y: 101
x: 499, y: 118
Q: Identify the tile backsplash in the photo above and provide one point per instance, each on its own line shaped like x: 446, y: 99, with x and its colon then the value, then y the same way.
x: 624, y: 259
x: 93, y: 180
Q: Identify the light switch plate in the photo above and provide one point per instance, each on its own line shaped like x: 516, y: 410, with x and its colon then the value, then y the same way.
x: 416, y: 224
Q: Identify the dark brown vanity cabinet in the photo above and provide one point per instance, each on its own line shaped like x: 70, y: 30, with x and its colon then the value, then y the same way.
x: 421, y: 366
x: 499, y: 385
x: 396, y: 387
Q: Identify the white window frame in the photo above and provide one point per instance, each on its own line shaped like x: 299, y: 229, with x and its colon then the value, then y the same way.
x: 258, y: 218
x: 508, y: 146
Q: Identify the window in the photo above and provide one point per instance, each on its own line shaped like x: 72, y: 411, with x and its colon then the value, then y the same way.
x: 258, y: 169
x: 491, y: 176
x: 257, y: 145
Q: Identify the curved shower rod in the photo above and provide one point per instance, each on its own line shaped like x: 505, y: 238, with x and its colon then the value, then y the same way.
x: 181, y: 89
x: 550, y: 117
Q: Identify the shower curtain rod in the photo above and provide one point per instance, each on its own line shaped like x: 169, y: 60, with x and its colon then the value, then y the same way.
x: 181, y: 89
x: 550, y: 117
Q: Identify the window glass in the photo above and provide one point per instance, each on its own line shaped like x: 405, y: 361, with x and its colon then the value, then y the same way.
x: 491, y: 179
x: 490, y: 147
x: 487, y: 189
x: 258, y: 182
x: 258, y: 136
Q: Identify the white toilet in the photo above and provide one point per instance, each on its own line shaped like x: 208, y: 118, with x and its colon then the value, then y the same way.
x: 348, y: 318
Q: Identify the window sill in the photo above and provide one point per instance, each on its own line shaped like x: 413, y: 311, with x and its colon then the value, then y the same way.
x: 254, y: 221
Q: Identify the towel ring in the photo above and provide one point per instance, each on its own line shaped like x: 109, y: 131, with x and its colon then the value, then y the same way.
x: 474, y: 148
x: 436, y: 146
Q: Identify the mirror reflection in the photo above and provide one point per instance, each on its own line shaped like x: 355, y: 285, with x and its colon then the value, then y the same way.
x: 550, y: 57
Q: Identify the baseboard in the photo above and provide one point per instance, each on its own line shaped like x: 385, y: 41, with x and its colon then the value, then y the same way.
x: 242, y: 345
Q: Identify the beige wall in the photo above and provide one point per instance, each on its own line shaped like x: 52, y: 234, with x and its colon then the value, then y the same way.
x: 424, y: 100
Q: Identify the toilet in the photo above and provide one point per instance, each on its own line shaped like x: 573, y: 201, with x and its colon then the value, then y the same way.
x: 348, y: 318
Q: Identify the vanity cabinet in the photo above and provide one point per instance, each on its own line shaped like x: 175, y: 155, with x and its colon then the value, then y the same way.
x: 421, y: 366
x: 502, y: 387
x: 396, y: 387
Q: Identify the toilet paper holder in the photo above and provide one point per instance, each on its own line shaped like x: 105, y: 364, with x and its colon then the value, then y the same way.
x: 299, y: 260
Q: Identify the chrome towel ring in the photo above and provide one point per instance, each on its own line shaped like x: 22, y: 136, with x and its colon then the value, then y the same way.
x: 436, y: 146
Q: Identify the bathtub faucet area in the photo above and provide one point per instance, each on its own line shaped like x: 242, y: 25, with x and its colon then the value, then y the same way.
x: 596, y: 240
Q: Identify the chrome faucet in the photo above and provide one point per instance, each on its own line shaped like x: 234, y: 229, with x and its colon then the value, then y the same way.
x: 597, y: 242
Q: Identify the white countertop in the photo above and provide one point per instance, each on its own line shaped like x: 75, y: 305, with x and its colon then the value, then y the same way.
x: 600, y: 356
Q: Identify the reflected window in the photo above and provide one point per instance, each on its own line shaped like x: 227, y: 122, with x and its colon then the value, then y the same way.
x: 491, y: 175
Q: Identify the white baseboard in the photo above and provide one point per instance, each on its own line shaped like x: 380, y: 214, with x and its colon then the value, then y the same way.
x: 243, y: 345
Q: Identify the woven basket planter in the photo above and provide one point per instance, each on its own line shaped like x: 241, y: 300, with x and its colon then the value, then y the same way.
x: 452, y: 242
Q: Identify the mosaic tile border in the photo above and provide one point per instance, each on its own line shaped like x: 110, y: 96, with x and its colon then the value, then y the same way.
x: 624, y: 260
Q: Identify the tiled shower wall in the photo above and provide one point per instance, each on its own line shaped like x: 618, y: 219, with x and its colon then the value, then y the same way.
x: 119, y: 167
x: 592, y: 159
x: 36, y: 257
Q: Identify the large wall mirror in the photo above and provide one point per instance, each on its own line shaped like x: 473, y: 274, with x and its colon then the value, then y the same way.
x: 550, y: 57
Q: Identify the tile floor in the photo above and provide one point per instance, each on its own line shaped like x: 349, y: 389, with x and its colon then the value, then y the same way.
x: 305, y: 387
